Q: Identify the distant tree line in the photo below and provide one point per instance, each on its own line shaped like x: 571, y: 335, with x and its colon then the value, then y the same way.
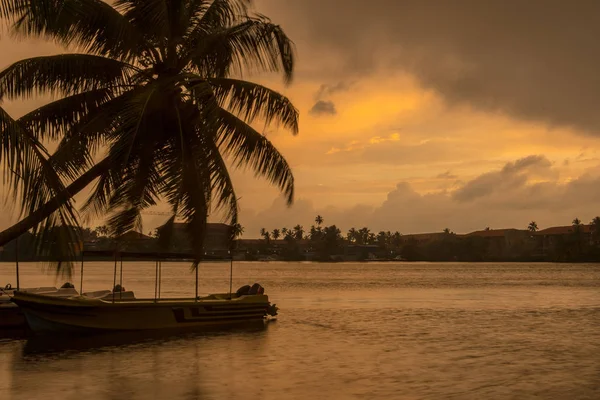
x: 328, y: 242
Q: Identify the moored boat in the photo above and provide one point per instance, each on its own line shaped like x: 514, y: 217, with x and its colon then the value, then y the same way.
x: 11, y: 317
x: 46, y: 314
x: 120, y: 310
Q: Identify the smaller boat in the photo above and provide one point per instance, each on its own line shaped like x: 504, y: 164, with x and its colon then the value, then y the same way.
x: 11, y: 317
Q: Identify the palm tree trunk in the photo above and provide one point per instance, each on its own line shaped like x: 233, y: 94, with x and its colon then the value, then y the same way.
x: 10, y: 234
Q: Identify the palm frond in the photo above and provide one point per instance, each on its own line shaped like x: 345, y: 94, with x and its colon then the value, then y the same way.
x: 54, y: 120
x: 250, y: 100
x: 252, y: 45
x: 64, y: 74
x: 33, y: 181
x: 250, y: 148
x: 210, y: 15
x: 222, y: 186
x: 150, y: 17
x: 98, y: 201
x: 17, y: 151
x: 127, y: 153
x: 92, y: 25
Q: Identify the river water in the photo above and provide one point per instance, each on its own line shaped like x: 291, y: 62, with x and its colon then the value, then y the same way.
x: 345, y: 331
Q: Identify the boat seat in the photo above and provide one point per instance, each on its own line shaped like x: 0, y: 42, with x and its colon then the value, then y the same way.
x: 40, y: 289
x: 127, y: 295
x: 63, y: 292
x: 98, y: 294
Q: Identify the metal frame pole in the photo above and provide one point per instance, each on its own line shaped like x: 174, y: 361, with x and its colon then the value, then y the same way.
x: 197, y: 267
x: 230, y: 276
x: 17, y: 260
x: 121, y: 280
x: 159, y: 277
x: 156, y: 281
x: 114, y: 279
x: 81, y: 278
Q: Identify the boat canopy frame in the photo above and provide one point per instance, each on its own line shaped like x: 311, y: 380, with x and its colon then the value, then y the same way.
x: 158, y: 258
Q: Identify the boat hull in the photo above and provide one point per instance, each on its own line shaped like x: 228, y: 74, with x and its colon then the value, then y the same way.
x: 55, y: 315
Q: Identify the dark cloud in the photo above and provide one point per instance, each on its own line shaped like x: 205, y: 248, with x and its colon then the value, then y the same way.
x: 323, y: 107
x: 512, y: 175
x: 535, y: 60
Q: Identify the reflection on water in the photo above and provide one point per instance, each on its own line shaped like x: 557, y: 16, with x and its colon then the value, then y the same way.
x: 352, y: 331
x: 42, y: 345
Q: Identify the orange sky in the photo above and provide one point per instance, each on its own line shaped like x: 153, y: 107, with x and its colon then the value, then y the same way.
x: 427, y: 122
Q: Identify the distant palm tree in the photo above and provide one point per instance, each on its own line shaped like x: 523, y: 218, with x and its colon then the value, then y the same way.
x: 289, y: 236
x: 595, y: 227
x: 265, y: 234
x: 352, y: 235
x: 382, y: 239
x: 577, y: 225
x: 447, y: 231
x: 276, y: 233
x: 319, y: 220
x: 532, y: 227
x: 238, y: 230
x: 284, y: 231
x: 298, y: 232
x: 371, y: 238
x: 156, y: 87
x: 363, y: 235
x: 397, y: 239
x: 102, y: 230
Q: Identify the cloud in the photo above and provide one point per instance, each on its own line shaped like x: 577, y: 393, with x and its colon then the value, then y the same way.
x: 447, y: 175
x: 325, y: 91
x: 534, y: 60
x: 511, y: 196
x: 322, y: 107
x: 513, y: 174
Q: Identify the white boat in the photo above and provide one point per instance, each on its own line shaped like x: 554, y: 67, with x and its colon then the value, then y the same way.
x: 11, y: 317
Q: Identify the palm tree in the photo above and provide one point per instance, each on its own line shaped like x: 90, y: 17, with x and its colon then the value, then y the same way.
x: 155, y: 88
x: 371, y: 238
x: 298, y: 232
x: 447, y: 231
x: 532, y: 227
x: 397, y: 239
x: 102, y: 230
x: 362, y: 236
x: 265, y: 234
x: 319, y: 221
x: 382, y: 239
x: 351, y: 235
x: 237, y: 230
x: 276, y: 233
x: 595, y: 228
x: 284, y: 231
x: 578, y: 234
